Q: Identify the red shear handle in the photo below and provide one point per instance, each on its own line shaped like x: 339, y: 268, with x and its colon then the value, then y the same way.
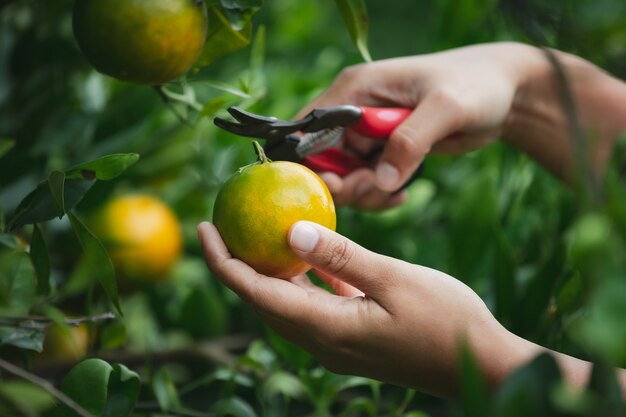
x: 334, y: 160
x: 379, y: 122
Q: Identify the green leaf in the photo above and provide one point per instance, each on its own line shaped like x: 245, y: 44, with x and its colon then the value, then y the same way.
x: 283, y: 383
x: 56, y: 182
x: 165, y: 390
x: 473, y: 386
x: 534, y: 303
x: 504, y: 278
x: 602, y: 330
x: 40, y: 206
x: 223, y: 38
x: 9, y: 240
x: 31, y: 339
x: 354, y: 13
x: 113, y: 336
x: 55, y: 195
x: 29, y: 396
x: 257, y: 55
x: 95, y: 250
x: 526, y: 392
x: 213, y: 106
x: 123, y: 391
x: 233, y: 407
x: 5, y: 146
x: 237, y: 11
x: 104, y: 168
x: 204, y: 314
x: 297, y: 357
x: 102, y: 389
x: 360, y: 406
x: 608, y: 394
x: 241, y: 4
x: 41, y: 261
x: 18, y: 283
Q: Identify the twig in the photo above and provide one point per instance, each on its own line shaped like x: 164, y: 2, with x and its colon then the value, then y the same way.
x: 168, y: 102
x: 40, y: 323
x: 34, y: 379
x: 214, y: 352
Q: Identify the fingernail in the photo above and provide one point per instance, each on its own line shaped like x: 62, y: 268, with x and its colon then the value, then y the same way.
x: 386, y: 175
x: 303, y: 236
x: 201, y: 226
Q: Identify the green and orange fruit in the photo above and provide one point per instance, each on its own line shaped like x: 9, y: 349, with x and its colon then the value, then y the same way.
x: 142, y: 41
x: 255, y: 208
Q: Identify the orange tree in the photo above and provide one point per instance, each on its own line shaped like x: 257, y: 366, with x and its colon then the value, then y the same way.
x: 549, y: 263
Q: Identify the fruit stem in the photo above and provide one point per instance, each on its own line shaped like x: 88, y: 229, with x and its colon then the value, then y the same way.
x: 260, y: 153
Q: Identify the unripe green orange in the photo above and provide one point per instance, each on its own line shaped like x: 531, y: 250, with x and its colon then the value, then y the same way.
x: 255, y: 208
x: 143, y: 41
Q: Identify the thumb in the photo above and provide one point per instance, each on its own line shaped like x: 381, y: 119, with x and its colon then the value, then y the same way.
x: 411, y: 142
x: 339, y: 257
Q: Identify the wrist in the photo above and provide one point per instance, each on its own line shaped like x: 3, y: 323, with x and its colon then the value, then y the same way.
x: 538, y: 124
x: 499, y: 352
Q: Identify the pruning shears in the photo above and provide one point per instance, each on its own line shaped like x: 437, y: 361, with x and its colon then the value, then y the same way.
x: 310, y: 140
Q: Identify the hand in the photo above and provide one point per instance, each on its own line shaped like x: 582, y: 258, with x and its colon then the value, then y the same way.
x: 467, y: 97
x: 387, y: 319
x: 462, y: 99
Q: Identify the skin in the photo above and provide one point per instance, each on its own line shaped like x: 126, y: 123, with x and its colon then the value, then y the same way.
x: 464, y: 99
x: 384, y: 318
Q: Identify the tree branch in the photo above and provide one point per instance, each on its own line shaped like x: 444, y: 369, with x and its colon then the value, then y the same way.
x: 34, y: 379
x: 41, y: 323
x: 214, y: 352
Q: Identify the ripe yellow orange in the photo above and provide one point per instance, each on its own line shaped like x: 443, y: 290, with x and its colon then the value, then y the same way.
x: 255, y: 208
x: 65, y: 343
x: 143, y: 41
x: 142, y: 235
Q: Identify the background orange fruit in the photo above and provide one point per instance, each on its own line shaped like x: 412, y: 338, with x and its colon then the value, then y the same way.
x: 143, y: 41
x: 65, y: 342
x: 256, y: 207
x: 142, y: 235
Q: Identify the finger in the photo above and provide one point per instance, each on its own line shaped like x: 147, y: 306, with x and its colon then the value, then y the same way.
x: 273, y: 296
x: 359, y: 189
x: 305, y: 283
x: 337, y: 256
x: 412, y: 140
x: 340, y: 287
x: 333, y: 182
x: 344, y: 189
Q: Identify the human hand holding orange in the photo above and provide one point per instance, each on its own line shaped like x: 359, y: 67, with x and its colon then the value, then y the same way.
x: 388, y: 319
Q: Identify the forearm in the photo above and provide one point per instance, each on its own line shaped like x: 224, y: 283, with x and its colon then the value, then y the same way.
x: 509, y: 352
x: 539, y: 126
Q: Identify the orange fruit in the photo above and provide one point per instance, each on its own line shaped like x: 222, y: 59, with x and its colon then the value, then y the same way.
x: 255, y: 208
x: 142, y: 235
x: 65, y: 342
x: 143, y: 41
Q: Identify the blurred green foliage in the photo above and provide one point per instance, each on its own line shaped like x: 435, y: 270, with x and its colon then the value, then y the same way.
x: 550, y: 264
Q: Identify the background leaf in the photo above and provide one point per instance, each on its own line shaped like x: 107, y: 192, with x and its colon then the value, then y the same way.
x: 94, y: 250
x: 354, y: 13
x: 41, y: 261
x: 102, y: 389
x: 56, y: 182
x: 5, y: 146
x: 40, y: 206
x: 165, y: 390
x: 105, y: 168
